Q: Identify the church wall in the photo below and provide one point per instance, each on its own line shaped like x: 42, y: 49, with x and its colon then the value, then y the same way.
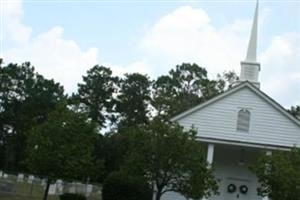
x: 229, y: 170
x: 267, y: 125
x: 231, y: 164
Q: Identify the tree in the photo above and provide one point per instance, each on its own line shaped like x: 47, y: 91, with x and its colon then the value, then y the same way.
x: 134, y: 99
x: 62, y: 146
x: 279, y: 175
x: 295, y: 111
x: 121, y: 186
x: 111, y: 148
x: 170, y: 158
x: 185, y: 87
x: 26, y: 98
x: 96, y: 93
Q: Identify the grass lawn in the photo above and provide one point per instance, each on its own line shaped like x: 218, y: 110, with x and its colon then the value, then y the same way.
x: 19, y: 197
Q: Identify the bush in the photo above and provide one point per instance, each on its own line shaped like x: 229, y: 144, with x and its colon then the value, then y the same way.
x: 119, y: 186
x: 70, y: 196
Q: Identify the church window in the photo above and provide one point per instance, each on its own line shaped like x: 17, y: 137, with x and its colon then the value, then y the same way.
x: 243, y: 121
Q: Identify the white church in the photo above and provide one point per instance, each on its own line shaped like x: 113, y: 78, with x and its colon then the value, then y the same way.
x: 238, y: 126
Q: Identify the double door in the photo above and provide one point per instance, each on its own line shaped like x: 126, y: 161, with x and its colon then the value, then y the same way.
x: 238, y: 189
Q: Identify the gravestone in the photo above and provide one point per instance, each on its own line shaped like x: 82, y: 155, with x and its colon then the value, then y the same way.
x: 72, y: 188
x: 30, y: 179
x: 80, y: 188
x: 59, y: 186
x: 52, y: 189
x: 5, y: 175
x: 1, y: 174
x: 89, y: 189
x: 20, y: 178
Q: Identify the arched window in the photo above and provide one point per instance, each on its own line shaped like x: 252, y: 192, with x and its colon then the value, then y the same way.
x: 243, y: 120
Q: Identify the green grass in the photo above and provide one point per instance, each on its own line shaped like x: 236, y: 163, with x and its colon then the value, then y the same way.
x: 25, y: 188
x: 20, y: 197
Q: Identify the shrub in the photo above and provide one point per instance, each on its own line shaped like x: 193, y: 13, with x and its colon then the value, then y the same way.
x: 119, y: 186
x: 70, y: 196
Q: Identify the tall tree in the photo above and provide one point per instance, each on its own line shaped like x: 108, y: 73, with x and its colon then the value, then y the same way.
x: 227, y: 80
x: 295, y: 111
x: 25, y: 99
x: 185, y: 87
x: 134, y: 100
x: 95, y: 94
x: 62, y: 147
x: 279, y: 175
x: 170, y: 158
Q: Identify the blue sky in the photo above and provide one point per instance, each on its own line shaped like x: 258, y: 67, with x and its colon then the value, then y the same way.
x: 63, y: 39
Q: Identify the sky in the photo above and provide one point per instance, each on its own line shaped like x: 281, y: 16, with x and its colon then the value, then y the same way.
x: 63, y: 39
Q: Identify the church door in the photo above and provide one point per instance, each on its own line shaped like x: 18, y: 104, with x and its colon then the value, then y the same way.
x: 237, y: 189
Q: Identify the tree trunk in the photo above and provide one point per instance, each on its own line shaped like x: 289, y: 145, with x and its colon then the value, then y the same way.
x: 158, y: 196
x: 47, y: 189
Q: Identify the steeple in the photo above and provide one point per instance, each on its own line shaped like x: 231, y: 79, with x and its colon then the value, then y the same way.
x: 250, y: 67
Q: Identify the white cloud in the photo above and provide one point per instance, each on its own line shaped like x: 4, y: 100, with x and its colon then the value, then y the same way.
x: 281, y: 69
x: 56, y: 57
x: 184, y: 35
x: 187, y: 35
x: 138, y: 66
x: 52, y: 55
x: 14, y: 31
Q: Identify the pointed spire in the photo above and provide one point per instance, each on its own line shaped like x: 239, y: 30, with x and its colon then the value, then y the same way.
x: 250, y: 67
x: 252, y: 47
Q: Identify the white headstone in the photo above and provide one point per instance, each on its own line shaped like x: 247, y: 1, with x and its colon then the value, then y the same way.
x: 72, y: 188
x: 1, y: 174
x: 89, y: 189
x: 81, y: 188
x: 30, y: 179
x: 20, y: 178
x: 59, y: 186
x: 5, y: 175
x: 52, y: 189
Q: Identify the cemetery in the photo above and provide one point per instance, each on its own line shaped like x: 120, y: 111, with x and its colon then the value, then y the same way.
x: 29, y: 187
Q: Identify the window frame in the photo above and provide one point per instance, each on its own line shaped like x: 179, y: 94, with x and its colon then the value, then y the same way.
x: 238, y: 129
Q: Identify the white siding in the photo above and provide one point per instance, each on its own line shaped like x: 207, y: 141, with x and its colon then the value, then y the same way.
x: 229, y: 171
x: 218, y: 120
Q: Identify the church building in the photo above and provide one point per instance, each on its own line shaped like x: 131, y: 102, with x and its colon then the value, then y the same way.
x: 237, y: 127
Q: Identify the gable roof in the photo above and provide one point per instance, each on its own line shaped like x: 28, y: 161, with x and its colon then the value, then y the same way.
x: 244, y: 84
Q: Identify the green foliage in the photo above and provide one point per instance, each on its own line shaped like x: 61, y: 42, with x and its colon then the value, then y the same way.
x: 134, y: 99
x: 60, y: 140
x: 279, y: 175
x: 295, y: 111
x: 26, y: 98
x: 95, y: 95
x: 120, y: 186
x: 112, y: 149
x: 170, y: 158
x: 70, y: 196
x: 62, y: 146
x: 185, y: 87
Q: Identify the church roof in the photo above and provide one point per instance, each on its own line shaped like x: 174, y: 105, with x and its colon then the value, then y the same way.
x: 249, y: 85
